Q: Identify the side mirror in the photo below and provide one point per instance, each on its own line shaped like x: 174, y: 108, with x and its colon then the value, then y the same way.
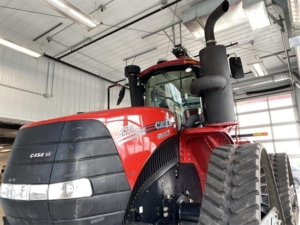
x: 121, y: 95
x: 236, y: 67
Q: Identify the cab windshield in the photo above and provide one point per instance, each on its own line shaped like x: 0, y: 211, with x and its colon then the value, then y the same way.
x: 171, y: 90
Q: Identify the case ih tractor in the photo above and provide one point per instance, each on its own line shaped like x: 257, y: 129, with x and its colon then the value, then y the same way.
x: 169, y: 159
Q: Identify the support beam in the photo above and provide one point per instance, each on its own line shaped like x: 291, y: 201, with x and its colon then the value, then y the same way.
x: 281, y: 60
x: 274, y: 54
x: 46, y: 32
x: 169, y: 37
x: 279, y: 22
x: 122, y: 27
x: 80, y: 69
x: 161, y: 29
x: 139, y: 54
x: 291, y: 31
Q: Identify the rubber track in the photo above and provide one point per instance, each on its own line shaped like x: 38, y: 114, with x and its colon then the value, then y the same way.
x: 232, y: 192
x: 280, y: 165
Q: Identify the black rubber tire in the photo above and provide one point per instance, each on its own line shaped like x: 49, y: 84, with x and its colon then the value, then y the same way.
x: 286, y: 188
x: 232, y: 193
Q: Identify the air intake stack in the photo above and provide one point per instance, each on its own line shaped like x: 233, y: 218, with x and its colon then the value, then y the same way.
x: 132, y: 72
x: 214, y: 86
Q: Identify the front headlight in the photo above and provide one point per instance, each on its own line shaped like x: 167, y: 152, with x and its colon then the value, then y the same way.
x: 15, y: 191
x: 71, y: 189
x: 38, y: 192
x: 66, y: 190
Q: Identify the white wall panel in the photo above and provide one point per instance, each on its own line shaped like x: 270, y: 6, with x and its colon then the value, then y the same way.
x: 23, y: 84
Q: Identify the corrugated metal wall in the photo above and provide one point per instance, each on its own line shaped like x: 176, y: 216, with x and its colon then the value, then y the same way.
x: 24, y: 82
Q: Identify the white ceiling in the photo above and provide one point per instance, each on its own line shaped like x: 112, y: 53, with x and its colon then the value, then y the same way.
x: 24, y: 20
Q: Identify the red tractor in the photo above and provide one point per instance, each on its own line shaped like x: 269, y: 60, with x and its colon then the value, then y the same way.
x: 168, y: 159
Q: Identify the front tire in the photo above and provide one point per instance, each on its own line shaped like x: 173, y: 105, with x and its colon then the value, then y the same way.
x: 239, y: 186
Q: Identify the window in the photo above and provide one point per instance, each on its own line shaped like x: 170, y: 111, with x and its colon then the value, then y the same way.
x: 286, y: 131
x: 252, y: 105
x: 275, y: 115
x: 254, y: 119
x: 170, y: 90
x: 289, y: 147
x: 283, y: 115
x: 280, y: 101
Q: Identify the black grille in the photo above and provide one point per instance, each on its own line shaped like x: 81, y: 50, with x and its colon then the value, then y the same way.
x: 163, y: 158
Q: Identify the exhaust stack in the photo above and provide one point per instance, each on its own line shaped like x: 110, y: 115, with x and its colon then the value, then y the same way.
x: 214, y: 86
x: 211, y: 22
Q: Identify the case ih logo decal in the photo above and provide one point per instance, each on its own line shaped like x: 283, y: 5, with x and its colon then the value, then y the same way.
x: 40, y: 155
x: 129, y: 132
x: 162, y: 124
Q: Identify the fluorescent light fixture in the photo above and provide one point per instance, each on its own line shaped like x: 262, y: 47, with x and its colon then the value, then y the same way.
x: 5, y: 150
x: 72, y: 12
x: 258, y: 69
x: 257, y: 13
x: 18, y: 47
x: 1, y: 147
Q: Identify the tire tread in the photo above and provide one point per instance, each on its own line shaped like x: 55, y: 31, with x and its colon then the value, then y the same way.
x: 233, y: 186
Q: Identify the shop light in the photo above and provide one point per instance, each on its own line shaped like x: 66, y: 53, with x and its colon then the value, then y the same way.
x: 18, y: 47
x: 188, y: 69
x: 258, y: 69
x: 72, y: 12
x: 257, y: 14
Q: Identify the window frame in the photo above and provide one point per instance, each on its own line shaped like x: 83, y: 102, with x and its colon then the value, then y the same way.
x: 272, y: 124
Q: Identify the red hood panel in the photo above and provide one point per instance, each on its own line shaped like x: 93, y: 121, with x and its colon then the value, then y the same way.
x: 136, y: 131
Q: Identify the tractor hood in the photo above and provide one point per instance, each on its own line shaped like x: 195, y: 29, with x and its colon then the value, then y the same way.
x: 81, y: 167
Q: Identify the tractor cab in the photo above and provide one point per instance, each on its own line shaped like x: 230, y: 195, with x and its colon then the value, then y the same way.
x: 167, y: 85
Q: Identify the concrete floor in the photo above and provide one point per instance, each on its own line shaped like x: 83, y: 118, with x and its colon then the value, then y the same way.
x: 2, y: 213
